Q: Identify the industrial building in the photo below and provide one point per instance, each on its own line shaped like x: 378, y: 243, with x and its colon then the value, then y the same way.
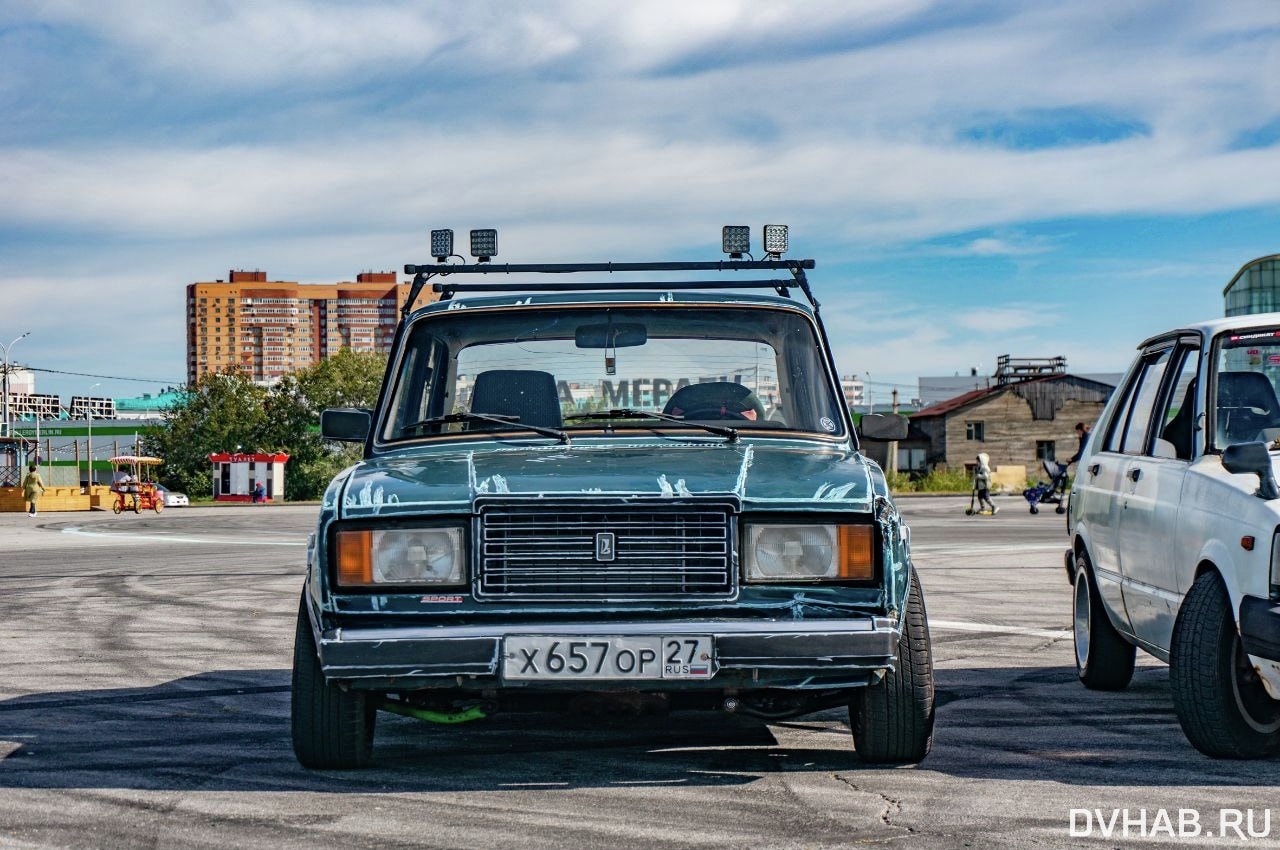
x: 1255, y: 288
x: 272, y: 328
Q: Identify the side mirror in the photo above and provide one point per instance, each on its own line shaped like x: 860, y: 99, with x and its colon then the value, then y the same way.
x: 345, y: 424
x: 883, y: 426
x: 1252, y: 459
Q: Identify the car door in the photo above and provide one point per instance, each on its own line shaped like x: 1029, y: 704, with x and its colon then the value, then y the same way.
x: 1098, y: 490
x: 1159, y: 443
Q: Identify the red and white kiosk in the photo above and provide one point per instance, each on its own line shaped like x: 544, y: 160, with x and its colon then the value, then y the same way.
x: 237, y: 474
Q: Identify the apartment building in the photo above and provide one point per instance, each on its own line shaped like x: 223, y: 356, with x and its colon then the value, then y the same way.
x: 272, y: 328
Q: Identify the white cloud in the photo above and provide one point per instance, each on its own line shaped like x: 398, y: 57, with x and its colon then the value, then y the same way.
x: 345, y: 130
x: 1003, y: 320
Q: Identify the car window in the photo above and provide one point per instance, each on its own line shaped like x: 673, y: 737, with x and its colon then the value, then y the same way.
x: 1114, y: 427
x: 1245, y: 406
x: 1133, y: 440
x: 567, y: 367
x: 1175, y: 422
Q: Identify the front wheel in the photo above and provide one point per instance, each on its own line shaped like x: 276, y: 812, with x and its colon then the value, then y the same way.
x: 158, y: 505
x: 117, y: 506
x: 332, y: 728
x: 1104, y: 659
x: 1224, y: 709
x: 1034, y: 509
x: 892, y: 720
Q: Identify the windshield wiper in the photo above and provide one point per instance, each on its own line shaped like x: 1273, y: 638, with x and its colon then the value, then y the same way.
x: 731, y: 434
x: 486, y: 417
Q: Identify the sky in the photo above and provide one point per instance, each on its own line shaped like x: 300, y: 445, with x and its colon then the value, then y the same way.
x: 972, y: 178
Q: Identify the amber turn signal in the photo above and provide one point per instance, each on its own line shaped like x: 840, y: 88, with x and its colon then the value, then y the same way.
x: 856, y: 558
x: 355, y: 557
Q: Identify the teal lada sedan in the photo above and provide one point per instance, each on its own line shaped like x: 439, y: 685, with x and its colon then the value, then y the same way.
x: 639, y: 495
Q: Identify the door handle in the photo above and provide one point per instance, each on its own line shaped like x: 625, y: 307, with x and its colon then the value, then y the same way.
x: 1094, y: 468
x: 1135, y: 474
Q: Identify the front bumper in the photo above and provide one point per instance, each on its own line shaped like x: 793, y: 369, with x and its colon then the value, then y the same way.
x: 1260, y: 627
x: 783, y: 654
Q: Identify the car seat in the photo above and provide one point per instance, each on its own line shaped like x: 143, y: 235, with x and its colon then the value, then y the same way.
x: 1247, y: 404
x: 526, y: 393
x: 715, y: 400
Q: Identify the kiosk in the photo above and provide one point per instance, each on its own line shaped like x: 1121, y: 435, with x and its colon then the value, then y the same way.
x: 237, y: 474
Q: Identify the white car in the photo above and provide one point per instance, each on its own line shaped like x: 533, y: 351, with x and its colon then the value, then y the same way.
x: 174, y: 500
x: 1175, y: 531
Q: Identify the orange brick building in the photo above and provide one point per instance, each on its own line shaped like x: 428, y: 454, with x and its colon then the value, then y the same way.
x: 272, y: 328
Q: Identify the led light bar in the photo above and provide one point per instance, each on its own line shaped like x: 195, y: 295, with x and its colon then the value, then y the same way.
x: 736, y: 240
x: 775, y: 239
x: 484, y: 244
x: 441, y: 244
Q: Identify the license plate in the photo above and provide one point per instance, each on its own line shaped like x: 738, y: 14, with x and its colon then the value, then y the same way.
x: 589, y: 657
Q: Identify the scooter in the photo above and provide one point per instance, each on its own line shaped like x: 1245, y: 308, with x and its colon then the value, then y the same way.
x: 969, y: 511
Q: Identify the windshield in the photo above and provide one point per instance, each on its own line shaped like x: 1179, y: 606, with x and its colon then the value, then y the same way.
x: 1248, y: 369
x: 565, y: 368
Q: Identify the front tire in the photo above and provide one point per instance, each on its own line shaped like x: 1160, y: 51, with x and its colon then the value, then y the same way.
x: 1221, y: 703
x: 332, y: 728
x: 1104, y: 659
x: 892, y: 720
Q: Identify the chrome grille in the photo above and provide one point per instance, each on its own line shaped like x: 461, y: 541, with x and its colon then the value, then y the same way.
x: 552, y: 552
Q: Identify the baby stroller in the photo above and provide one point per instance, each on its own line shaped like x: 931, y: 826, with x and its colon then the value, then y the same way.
x: 1052, y: 493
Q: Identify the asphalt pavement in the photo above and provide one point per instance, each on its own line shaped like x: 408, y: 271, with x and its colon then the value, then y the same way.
x: 144, y: 690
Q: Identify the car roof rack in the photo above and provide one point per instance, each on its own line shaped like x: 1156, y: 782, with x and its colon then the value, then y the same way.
x: 447, y: 288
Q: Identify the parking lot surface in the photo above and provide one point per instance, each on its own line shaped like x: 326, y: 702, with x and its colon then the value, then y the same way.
x: 144, y: 694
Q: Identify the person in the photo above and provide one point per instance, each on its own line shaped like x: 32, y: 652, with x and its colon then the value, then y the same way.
x: 1082, y: 434
x: 259, y: 492
x: 32, y: 487
x: 982, y: 483
x: 127, y: 485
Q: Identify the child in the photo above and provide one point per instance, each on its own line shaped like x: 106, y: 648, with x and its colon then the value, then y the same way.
x: 982, y: 483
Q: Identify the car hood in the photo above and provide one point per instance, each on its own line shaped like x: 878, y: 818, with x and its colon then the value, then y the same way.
x: 765, y: 473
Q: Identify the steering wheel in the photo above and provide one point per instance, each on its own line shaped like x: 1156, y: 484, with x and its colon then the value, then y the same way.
x: 714, y: 413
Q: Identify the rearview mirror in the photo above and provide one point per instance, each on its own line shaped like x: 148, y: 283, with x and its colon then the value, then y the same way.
x: 625, y: 335
x: 883, y: 426
x: 1252, y: 458
x: 345, y: 424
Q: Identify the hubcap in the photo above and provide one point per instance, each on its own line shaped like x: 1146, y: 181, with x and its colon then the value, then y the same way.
x: 1081, y: 619
x: 1260, y: 711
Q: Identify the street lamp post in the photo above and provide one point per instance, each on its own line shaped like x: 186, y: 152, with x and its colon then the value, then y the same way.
x: 5, y: 349
x: 88, y: 415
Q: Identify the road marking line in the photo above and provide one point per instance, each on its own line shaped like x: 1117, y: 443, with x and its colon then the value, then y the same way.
x: 997, y: 547
x: 215, y: 541
x: 991, y: 628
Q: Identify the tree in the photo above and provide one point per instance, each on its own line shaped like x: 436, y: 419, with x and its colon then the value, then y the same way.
x: 292, y: 415
x: 220, y: 412
x: 227, y: 411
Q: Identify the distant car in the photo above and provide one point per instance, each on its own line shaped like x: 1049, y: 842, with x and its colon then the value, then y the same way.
x: 1175, y: 526
x: 172, y: 499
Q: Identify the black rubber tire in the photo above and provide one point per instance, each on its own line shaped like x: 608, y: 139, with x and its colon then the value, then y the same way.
x: 892, y: 720
x: 1034, y: 509
x: 1221, y: 704
x: 1060, y: 510
x: 332, y: 728
x: 1104, y: 659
